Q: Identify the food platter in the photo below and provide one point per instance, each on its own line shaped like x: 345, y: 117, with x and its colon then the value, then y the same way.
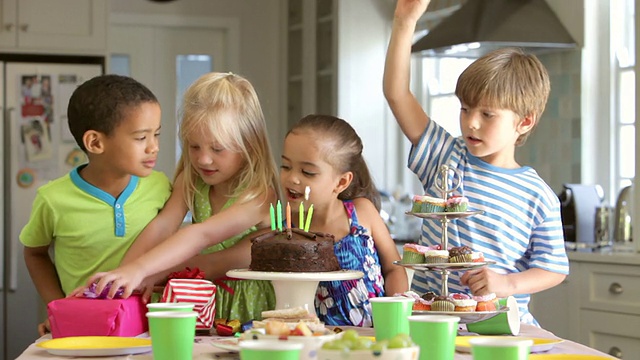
x: 446, y: 266
x: 445, y: 215
x: 465, y: 317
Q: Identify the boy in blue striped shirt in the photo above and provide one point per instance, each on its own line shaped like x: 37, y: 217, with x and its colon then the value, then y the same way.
x: 502, y: 96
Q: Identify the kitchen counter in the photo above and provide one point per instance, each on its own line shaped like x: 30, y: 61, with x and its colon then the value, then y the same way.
x: 605, y: 256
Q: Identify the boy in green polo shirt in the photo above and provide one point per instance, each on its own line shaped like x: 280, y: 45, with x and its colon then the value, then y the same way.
x: 94, y: 213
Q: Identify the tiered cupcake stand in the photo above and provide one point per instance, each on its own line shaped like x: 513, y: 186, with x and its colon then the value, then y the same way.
x: 445, y: 268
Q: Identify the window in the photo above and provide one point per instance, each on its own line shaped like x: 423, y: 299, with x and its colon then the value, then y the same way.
x: 624, y: 111
x: 439, y: 78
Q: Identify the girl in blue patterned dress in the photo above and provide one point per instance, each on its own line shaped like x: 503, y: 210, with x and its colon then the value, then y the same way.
x: 325, y: 154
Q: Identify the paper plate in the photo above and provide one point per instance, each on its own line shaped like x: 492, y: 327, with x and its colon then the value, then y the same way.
x: 539, y: 344
x: 229, y: 344
x: 95, y: 346
x: 566, y: 357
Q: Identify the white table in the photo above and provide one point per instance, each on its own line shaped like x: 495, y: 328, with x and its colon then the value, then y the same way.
x: 202, y: 349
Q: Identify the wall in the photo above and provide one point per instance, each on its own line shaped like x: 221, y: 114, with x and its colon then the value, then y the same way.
x: 554, y: 147
x: 261, y: 45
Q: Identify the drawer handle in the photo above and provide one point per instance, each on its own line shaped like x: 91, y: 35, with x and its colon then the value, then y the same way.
x: 616, y: 289
x: 616, y: 352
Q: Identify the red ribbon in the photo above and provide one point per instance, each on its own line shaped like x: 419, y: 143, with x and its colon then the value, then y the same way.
x: 188, y: 273
x: 220, y: 282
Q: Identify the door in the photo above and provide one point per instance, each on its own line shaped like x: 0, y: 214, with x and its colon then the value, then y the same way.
x: 167, y: 59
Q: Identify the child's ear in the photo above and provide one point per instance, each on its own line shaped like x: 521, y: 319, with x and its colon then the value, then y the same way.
x: 344, y: 182
x: 93, y: 141
x: 526, y: 124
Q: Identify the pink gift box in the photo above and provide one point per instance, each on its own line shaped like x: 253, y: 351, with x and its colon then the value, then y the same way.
x: 97, y: 317
x: 201, y: 293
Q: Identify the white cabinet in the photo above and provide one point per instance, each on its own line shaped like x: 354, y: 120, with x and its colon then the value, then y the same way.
x: 598, y: 305
x: 311, y: 58
x: 54, y: 26
x: 335, y: 60
x: 557, y: 308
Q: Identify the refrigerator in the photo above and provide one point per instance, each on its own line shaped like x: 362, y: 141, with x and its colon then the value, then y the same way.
x: 37, y: 147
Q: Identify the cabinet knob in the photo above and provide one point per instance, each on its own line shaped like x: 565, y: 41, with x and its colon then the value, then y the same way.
x: 616, y: 289
x: 24, y: 27
x: 8, y: 27
x: 616, y: 352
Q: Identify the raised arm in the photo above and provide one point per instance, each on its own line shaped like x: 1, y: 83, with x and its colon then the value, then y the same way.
x: 162, y: 226
x: 397, y: 70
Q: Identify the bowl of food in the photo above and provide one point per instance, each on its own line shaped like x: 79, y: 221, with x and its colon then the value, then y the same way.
x: 350, y: 346
x: 311, y: 340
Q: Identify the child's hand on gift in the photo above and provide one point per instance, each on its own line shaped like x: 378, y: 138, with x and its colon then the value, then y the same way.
x: 124, y: 278
x: 484, y: 281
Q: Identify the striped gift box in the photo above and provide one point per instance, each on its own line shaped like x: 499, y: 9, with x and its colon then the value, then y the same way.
x: 202, y: 293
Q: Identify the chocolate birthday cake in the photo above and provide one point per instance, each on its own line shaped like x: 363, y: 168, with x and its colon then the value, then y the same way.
x: 293, y: 250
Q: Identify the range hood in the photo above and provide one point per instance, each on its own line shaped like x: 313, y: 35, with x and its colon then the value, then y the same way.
x: 480, y: 26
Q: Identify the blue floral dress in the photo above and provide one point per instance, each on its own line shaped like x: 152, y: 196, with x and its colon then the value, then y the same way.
x: 346, y: 303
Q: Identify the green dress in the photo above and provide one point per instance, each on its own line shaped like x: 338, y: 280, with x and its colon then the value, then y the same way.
x: 235, y: 299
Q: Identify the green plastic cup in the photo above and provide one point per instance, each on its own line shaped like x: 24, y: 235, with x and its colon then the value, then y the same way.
x: 487, y: 348
x: 170, y: 306
x: 435, y: 334
x: 507, y: 323
x: 390, y: 316
x: 270, y: 349
x: 172, y: 334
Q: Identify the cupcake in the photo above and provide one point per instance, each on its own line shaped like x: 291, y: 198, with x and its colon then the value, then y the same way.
x: 429, y: 296
x: 419, y: 303
x: 460, y: 254
x: 433, y: 256
x: 457, y: 204
x: 416, y: 204
x: 433, y: 204
x: 412, y: 254
x: 487, y: 302
x: 463, y: 302
x: 477, y: 256
x: 422, y: 305
x: 442, y: 303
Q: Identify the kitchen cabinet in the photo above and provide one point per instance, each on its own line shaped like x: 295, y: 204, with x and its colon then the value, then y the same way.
x: 54, y: 26
x: 335, y: 54
x: 311, y: 58
x: 597, y: 305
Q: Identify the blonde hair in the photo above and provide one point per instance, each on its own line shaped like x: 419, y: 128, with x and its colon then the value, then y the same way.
x: 341, y: 147
x: 507, y: 78
x: 205, y: 101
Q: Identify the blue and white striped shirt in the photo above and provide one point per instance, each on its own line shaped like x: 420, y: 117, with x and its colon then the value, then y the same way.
x: 520, y: 228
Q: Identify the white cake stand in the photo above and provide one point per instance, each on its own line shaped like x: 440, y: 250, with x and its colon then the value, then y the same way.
x: 295, y: 289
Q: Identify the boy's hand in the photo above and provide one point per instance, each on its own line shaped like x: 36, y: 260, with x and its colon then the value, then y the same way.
x: 411, y: 10
x: 484, y: 281
x: 44, y: 328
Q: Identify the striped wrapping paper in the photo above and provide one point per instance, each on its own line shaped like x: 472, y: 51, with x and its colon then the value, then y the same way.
x: 202, y: 293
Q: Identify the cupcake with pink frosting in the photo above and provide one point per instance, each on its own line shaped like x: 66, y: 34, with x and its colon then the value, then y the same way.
x: 457, y: 204
x: 487, y: 302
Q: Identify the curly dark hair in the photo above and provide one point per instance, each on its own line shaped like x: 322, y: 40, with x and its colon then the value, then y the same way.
x: 102, y: 103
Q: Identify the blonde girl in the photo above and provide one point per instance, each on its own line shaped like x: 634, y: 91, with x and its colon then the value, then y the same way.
x: 325, y: 153
x: 226, y: 178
